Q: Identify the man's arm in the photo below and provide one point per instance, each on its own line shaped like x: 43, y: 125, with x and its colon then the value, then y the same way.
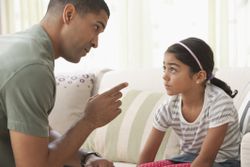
x: 75, y: 159
x: 30, y: 151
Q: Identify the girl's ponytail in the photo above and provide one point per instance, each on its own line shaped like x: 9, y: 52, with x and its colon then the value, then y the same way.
x: 223, y: 86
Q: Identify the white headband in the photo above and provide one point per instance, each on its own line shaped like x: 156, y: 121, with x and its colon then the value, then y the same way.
x: 192, y: 53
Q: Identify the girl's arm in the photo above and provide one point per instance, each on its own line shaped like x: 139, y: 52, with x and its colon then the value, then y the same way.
x: 210, y: 147
x: 151, y: 146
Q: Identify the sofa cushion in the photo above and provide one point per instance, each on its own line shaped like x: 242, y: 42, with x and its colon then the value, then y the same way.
x: 237, y: 79
x: 123, y: 138
x: 72, y: 94
x: 245, y: 151
x: 244, y: 114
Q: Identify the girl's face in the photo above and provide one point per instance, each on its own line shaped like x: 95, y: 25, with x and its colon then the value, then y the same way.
x: 177, y: 76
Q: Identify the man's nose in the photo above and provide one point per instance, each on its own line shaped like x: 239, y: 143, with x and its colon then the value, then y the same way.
x: 94, y: 42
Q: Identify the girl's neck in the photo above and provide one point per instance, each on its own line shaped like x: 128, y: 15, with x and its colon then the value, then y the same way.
x: 192, y: 104
x: 193, y: 98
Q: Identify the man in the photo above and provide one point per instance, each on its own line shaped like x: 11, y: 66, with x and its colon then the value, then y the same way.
x: 27, y: 87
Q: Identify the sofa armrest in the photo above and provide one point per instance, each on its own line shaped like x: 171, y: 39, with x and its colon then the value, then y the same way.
x: 245, y: 150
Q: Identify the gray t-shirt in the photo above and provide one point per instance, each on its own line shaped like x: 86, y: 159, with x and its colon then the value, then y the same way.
x: 27, y: 87
x: 218, y: 109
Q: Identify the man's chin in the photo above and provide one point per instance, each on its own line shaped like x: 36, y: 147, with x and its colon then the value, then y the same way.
x: 75, y: 60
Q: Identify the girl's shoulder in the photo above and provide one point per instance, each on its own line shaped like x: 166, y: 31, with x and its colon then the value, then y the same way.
x: 214, y: 95
x: 215, y: 92
x: 173, y: 99
x: 172, y: 102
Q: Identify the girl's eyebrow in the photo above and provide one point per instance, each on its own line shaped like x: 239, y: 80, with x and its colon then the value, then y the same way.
x: 173, y: 64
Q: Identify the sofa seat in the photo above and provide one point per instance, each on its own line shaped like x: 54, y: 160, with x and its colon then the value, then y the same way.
x: 123, y: 138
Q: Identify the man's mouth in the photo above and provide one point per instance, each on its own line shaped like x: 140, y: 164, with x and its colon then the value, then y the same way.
x: 86, y: 50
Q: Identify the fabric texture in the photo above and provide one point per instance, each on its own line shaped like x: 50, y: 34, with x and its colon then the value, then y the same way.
x: 164, y: 163
x: 27, y: 87
x: 123, y: 139
x: 185, y: 161
x: 218, y: 109
x: 244, y: 115
x: 245, y: 150
x: 73, y: 92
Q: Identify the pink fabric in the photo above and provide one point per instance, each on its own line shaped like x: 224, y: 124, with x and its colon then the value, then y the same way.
x: 157, y: 164
x: 179, y: 165
x: 164, y: 163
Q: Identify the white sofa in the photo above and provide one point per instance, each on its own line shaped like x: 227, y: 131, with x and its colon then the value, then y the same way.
x: 123, y: 138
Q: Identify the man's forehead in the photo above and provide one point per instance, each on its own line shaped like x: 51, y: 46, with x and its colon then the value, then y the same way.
x: 102, y: 18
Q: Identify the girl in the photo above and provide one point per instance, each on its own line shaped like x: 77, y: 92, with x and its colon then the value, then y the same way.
x: 200, y: 111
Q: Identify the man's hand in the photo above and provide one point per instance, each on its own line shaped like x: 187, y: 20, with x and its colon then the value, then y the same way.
x: 95, y: 161
x: 103, y: 108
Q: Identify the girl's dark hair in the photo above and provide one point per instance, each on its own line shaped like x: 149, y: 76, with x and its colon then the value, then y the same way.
x: 205, y: 56
x: 82, y: 6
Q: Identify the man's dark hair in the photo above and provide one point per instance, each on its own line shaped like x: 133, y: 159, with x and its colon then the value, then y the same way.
x: 82, y: 6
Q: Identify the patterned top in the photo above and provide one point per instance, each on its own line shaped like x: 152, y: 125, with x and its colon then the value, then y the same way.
x: 218, y: 109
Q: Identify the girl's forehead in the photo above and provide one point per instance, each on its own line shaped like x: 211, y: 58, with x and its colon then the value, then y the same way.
x: 170, y: 57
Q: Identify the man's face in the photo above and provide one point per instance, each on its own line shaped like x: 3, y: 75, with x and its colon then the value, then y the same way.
x: 81, y: 34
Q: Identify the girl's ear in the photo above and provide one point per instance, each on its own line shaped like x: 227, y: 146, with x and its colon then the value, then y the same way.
x: 201, y: 76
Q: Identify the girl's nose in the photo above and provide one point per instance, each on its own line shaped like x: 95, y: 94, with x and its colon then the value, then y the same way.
x: 165, y: 76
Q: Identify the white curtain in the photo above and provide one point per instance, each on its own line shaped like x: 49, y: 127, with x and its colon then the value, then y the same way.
x: 218, y: 18
x: 139, y: 31
x: 0, y: 17
x: 20, y: 14
x: 135, y: 26
x: 230, y: 32
x: 174, y: 20
x: 240, y: 34
x: 126, y: 42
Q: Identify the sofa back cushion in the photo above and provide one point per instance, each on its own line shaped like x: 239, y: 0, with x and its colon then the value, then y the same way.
x: 72, y: 93
x: 237, y: 79
x: 123, y: 139
x: 244, y: 114
x: 139, y: 79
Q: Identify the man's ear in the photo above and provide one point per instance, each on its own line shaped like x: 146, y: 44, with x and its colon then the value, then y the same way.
x: 68, y: 13
x: 201, y: 76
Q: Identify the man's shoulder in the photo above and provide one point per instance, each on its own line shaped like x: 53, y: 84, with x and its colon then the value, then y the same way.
x: 25, y: 44
x: 24, y: 49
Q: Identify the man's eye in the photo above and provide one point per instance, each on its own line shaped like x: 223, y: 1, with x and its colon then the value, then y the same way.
x: 96, y: 27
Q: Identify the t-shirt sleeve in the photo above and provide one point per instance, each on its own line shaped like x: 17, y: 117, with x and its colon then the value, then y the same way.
x: 222, y: 111
x: 161, y: 117
x: 29, y: 96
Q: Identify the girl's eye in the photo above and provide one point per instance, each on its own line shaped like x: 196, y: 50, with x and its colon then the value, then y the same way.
x: 164, y: 68
x: 172, y: 70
